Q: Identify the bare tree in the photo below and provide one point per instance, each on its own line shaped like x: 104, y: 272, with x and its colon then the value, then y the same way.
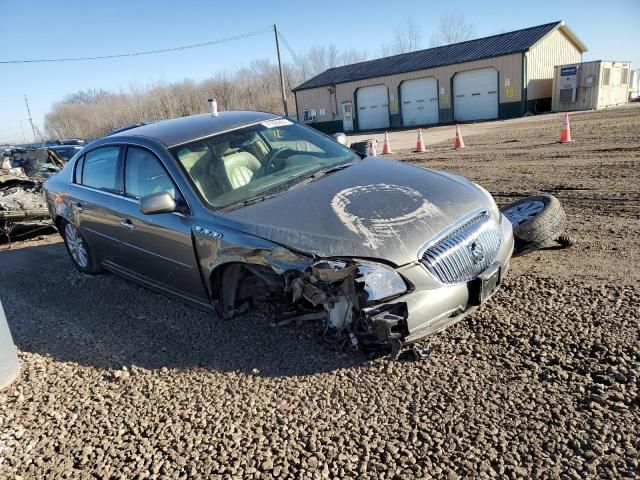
x: 452, y: 28
x: 321, y: 58
x: 406, y: 38
x: 91, y: 113
x: 353, y: 56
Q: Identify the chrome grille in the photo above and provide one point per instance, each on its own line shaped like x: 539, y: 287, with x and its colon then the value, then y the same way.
x: 464, y: 252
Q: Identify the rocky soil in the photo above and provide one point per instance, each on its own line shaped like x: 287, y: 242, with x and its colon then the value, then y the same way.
x: 542, y: 382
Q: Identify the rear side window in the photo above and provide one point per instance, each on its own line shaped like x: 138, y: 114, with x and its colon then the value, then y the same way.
x: 144, y: 174
x: 77, y: 174
x: 100, y: 169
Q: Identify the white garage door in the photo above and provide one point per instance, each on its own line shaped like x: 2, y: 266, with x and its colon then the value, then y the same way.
x: 373, y: 107
x: 419, y: 99
x: 476, y: 94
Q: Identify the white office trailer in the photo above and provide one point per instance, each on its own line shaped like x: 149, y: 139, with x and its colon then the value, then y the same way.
x: 590, y: 85
x: 634, y: 85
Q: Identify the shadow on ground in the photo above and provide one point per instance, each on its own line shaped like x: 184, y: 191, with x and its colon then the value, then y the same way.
x: 108, y: 322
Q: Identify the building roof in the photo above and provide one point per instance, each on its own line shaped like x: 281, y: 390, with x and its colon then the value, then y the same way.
x: 185, y: 129
x: 494, y: 46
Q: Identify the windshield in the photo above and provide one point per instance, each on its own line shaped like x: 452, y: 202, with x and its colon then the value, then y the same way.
x: 238, y: 166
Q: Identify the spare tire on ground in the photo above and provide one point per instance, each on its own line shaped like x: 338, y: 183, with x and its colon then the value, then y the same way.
x: 538, y: 222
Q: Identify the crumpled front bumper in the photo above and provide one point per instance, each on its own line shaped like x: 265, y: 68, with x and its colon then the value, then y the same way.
x: 9, y: 366
x: 432, y: 306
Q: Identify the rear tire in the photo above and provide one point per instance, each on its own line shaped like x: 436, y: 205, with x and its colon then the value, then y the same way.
x: 537, y: 222
x: 78, y: 249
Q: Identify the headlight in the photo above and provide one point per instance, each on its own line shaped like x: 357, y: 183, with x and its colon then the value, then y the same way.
x: 380, y: 281
x: 494, y: 210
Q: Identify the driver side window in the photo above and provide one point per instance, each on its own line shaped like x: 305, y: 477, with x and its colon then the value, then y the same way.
x: 144, y: 174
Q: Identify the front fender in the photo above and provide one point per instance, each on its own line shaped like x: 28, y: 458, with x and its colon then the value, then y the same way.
x: 216, y: 246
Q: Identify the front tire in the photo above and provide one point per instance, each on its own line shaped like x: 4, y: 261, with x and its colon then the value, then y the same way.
x: 79, y: 250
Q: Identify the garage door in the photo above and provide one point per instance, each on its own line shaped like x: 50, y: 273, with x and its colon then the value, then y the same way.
x: 419, y: 99
x: 475, y: 94
x: 373, y: 107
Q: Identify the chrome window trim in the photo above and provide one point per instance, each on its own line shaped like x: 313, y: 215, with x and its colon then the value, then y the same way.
x: 133, y: 144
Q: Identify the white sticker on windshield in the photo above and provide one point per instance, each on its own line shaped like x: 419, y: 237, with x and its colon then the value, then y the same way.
x: 279, y: 122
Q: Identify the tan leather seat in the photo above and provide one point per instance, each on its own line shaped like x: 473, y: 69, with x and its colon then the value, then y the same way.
x: 240, y: 168
x: 199, y: 164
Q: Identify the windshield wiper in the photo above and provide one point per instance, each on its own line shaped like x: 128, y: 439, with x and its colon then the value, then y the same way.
x: 316, y: 174
x: 248, y: 201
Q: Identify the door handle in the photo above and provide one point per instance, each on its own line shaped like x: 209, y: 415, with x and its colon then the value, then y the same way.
x: 128, y: 224
x: 78, y: 207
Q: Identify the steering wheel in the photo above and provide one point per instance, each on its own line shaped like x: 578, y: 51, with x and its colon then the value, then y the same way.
x: 272, y: 156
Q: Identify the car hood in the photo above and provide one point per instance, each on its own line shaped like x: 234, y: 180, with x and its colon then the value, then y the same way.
x: 376, y: 208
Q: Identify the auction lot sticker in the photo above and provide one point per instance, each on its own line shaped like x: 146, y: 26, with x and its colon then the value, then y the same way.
x: 279, y: 122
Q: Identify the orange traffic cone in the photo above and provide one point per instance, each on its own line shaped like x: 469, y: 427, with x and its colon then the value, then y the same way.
x: 420, y: 143
x: 565, y: 133
x: 386, y: 148
x: 372, y: 149
x: 459, y: 142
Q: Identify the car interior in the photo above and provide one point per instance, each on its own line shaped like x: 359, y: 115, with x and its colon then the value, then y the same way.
x: 235, y: 160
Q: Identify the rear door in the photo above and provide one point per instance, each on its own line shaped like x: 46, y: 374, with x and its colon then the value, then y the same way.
x: 95, y: 195
x: 157, y: 247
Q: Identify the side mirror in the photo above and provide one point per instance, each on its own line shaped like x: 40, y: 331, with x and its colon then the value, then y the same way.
x: 340, y: 138
x: 161, y: 202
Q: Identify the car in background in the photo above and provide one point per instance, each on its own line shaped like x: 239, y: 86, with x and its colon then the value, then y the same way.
x: 225, y: 210
x: 65, y: 152
x: 73, y: 141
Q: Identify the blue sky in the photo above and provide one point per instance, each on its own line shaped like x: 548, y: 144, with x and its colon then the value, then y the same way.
x: 44, y: 29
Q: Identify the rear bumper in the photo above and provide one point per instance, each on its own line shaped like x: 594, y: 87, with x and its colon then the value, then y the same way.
x: 431, y: 306
x: 9, y: 366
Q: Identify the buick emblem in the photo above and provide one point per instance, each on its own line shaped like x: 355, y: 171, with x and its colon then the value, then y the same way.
x: 477, y: 252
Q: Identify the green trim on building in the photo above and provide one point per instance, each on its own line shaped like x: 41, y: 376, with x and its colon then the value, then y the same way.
x: 510, y: 110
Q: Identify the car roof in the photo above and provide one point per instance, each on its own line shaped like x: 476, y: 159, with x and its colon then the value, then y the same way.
x: 185, y: 129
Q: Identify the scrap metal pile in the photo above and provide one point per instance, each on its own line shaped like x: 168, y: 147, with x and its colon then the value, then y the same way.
x: 23, y: 210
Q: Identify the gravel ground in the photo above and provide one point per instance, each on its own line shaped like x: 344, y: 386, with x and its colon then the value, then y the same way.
x: 541, y: 382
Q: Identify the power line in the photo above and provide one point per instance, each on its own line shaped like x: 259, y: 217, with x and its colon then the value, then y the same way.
x: 286, y: 44
x: 138, y: 54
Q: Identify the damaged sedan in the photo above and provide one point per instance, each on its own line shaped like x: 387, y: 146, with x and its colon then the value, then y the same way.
x: 222, y: 210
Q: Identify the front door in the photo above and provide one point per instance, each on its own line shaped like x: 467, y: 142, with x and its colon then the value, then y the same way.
x: 156, y: 247
x: 347, y: 117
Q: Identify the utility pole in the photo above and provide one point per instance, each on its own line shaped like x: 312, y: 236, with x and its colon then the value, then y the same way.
x: 24, y: 137
x: 284, y: 95
x: 33, y: 128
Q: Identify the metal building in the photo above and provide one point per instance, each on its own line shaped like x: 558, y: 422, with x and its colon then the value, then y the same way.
x: 500, y: 76
x: 590, y: 85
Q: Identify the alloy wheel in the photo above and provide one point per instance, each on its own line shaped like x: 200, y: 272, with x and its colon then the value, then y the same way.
x: 76, y: 245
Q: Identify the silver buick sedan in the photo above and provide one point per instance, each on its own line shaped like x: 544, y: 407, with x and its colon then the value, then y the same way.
x: 222, y: 211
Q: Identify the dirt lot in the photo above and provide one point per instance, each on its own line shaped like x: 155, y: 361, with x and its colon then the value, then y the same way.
x: 541, y: 382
